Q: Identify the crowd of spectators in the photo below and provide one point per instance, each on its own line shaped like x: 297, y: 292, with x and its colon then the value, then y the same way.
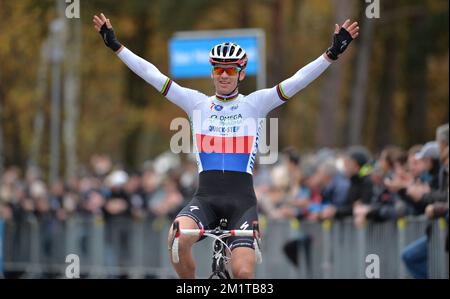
x: 327, y: 184
x: 323, y: 185
x: 159, y: 188
x: 332, y: 184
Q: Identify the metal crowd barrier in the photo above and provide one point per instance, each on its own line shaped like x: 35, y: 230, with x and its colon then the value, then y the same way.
x: 339, y: 250
x: 123, y: 247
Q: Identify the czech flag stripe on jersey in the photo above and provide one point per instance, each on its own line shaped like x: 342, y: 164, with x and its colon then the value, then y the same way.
x: 232, y: 153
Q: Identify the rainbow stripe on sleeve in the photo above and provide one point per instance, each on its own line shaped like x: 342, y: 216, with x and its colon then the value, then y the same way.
x: 166, y: 87
x: 281, y: 94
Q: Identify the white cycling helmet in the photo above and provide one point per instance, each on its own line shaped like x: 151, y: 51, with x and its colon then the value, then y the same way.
x: 228, y: 53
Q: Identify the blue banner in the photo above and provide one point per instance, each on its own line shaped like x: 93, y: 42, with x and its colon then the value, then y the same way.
x: 189, y: 57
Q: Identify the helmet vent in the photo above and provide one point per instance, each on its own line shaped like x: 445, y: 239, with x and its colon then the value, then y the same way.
x: 225, y: 50
x: 232, y: 50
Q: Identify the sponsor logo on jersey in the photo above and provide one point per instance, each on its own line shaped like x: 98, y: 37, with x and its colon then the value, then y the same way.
x: 223, y: 130
x: 226, y: 117
x: 255, y: 149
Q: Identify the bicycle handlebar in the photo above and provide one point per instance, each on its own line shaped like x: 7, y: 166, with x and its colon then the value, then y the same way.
x: 177, y: 232
x: 233, y: 232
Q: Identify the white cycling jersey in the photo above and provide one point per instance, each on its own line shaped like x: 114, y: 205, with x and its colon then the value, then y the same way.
x: 225, y: 131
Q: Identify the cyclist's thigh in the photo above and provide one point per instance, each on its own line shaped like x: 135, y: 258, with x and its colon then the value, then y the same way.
x: 195, y: 215
x: 200, y: 211
x: 243, y: 221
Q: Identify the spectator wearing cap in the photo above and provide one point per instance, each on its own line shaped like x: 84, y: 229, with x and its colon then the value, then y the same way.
x: 416, y: 167
x: 117, y: 201
x: 117, y: 210
x: 415, y: 255
x: 415, y: 172
x: 429, y: 155
x: 424, y: 194
x: 357, y: 169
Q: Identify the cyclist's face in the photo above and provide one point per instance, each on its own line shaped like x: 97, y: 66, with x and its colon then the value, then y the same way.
x: 226, y: 77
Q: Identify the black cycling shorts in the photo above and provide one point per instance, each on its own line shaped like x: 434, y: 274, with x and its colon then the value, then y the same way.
x: 224, y: 195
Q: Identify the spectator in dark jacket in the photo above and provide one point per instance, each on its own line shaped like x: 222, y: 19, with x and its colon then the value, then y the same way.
x: 133, y: 189
x: 117, y: 200
x: 416, y: 173
x: 416, y: 166
x: 384, y: 204
x: 415, y: 255
x: 357, y: 169
x: 334, y: 186
x: 424, y: 194
x: 429, y: 155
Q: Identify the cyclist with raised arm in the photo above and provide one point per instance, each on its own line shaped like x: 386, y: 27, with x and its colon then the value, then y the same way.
x: 225, y: 130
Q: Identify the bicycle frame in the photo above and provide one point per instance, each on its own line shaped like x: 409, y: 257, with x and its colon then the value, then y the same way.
x: 220, y: 248
x: 220, y: 260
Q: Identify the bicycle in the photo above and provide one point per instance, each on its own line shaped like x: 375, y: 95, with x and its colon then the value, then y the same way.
x: 221, y: 251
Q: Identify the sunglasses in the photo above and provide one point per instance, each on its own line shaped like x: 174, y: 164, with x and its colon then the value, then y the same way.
x: 231, y: 71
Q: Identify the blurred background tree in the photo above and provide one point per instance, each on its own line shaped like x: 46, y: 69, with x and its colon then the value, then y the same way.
x: 391, y: 87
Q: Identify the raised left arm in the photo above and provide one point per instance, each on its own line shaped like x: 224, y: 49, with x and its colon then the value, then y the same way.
x: 269, y: 99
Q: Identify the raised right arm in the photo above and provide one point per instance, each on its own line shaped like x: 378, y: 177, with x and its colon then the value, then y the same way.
x: 186, y: 98
x: 183, y: 97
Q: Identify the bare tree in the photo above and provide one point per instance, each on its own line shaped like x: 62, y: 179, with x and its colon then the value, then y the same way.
x: 329, y: 95
x: 71, y: 97
x: 358, y: 98
x: 416, y: 75
x: 2, y: 159
x: 277, y: 42
x: 57, y: 32
x: 244, y: 12
x: 39, y: 101
x: 384, y: 119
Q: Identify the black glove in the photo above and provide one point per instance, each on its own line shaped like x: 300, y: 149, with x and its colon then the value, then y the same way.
x: 109, y: 38
x: 341, y: 40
